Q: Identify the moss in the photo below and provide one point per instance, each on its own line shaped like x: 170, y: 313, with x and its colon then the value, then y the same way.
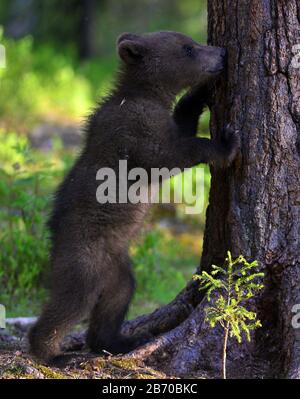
x: 50, y: 373
x: 93, y: 365
x: 126, y: 364
x: 14, y: 372
x: 17, y: 371
x: 145, y: 377
x: 12, y: 376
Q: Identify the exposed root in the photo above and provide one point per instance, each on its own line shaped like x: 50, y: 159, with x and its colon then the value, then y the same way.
x: 167, y: 317
x: 192, y: 348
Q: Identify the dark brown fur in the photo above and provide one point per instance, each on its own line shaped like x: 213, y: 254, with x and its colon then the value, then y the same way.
x: 91, y: 268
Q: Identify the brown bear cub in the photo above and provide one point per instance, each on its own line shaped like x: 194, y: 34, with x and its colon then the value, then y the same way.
x: 91, y: 270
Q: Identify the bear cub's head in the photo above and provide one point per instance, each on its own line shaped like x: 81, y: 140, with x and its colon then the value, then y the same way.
x: 169, y: 60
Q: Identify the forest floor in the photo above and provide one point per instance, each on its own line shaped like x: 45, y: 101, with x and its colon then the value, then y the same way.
x: 16, y: 363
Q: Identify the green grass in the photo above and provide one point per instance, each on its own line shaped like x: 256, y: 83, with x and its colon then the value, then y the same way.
x: 25, y: 186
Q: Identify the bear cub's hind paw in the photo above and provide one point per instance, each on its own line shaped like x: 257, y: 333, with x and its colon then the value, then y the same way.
x: 121, y: 344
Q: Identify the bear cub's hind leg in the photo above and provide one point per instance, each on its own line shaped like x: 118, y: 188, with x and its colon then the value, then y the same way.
x: 109, y: 313
x: 57, y: 318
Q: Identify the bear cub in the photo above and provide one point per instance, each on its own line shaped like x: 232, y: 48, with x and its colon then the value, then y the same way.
x: 137, y: 122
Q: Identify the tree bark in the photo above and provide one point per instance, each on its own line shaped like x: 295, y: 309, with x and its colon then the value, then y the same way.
x: 255, y: 205
x: 255, y: 208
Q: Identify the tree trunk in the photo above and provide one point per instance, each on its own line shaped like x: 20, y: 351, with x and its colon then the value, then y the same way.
x: 254, y: 206
x: 87, y: 28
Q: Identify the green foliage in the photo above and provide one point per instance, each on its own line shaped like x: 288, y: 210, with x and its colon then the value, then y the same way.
x: 198, y: 186
x: 39, y: 83
x: 24, y: 199
x: 161, y: 266
x: 59, y: 21
x: 233, y: 287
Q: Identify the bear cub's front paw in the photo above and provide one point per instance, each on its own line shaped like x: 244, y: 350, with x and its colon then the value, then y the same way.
x: 231, y: 143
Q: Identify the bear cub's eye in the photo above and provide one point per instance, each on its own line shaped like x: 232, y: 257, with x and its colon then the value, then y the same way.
x: 189, y: 50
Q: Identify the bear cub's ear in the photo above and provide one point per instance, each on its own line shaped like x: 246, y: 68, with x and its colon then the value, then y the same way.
x: 130, y: 48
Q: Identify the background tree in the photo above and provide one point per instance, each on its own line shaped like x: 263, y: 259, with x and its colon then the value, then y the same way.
x: 255, y: 205
x: 87, y: 28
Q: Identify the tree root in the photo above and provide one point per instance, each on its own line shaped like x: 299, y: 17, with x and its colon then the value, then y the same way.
x: 192, y: 349
x: 167, y: 317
